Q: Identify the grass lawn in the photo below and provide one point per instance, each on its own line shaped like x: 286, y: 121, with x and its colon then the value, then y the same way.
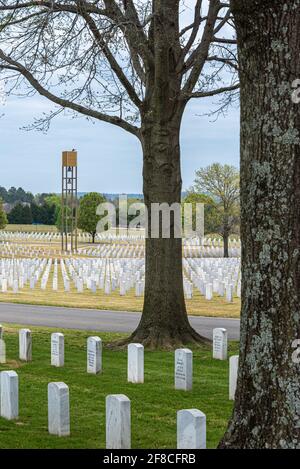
x: 153, y: 404
x: 197, y: 306
x: 32, y: 228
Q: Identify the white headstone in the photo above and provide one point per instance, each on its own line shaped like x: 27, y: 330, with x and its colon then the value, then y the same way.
x: 9, y: 395
x: 221, y: 288
x: 183, y: 369
x: 233, y: 372
x: 118, y: 427
x: 4, y: 285
x: 220, y: 343
x: 2, y: 351
x: 191, y: 429
x: 229, y: 293
x: 25, y: 345
x: 94, y: 355
x: 208, y: 291
x: 80, y: 285
x: 238, y: 290
x: 1, y: 331
x: 135, y: 363
x: 15, y: 286
x: 55, y: 283
x: 58, y: 409
x: 122, y: 288
x: 107, y: 287
x: 57, y: 349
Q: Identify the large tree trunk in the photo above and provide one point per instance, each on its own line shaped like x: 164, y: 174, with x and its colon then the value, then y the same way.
x: 226, y: 244
x: 267, y: 406
x: 164, y: 320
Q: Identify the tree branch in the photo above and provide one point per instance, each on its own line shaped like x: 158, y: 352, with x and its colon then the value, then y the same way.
x: 198, y: 58
x: 214, y: 58
x: 196, y: 25
x: 206, y: 94
x: 91, y: 8
x: 137, y: 40
x: 220, y: 40
x: 112, y: 61
x: 65, y: 103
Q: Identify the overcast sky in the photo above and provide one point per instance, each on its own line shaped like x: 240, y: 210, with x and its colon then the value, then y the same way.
x: 109, y: 158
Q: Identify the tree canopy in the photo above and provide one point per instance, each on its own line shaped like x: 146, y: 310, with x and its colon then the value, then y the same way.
x: 100, y: 58
x: 87, y: 217
x: 3, y: 217
x: 222, y: 184
x: 20, y: 214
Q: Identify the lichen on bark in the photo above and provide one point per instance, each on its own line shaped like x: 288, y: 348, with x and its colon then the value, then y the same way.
x: 267, y: 406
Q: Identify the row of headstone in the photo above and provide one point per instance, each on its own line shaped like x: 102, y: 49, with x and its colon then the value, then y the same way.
x: 213, y: 276
x: 135, y: 362
x: 210, y: 276
x: 191, y: 423
x: 16, y: 273
x: 183, y: 371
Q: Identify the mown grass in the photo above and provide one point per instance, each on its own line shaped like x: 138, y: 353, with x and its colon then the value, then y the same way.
x: 31, y: 228
x: 153, y: 404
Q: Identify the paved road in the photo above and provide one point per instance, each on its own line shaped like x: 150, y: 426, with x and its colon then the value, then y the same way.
x: 97, y: 320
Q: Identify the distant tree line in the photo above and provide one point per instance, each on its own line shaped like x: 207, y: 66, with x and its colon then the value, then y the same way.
x: 23, y: 207
x: 216, y: 186
x: 13, y: 195
x: 25, y: 214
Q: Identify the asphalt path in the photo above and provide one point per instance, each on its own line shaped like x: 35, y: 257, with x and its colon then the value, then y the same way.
x: 99, y: 320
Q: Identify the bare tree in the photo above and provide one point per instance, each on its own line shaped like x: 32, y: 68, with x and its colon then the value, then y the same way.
x: 267, y: 404
x: 135, y: 64
x: 222, y: 184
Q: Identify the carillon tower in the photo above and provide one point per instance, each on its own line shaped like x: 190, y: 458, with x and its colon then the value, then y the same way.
x: 69, y: 201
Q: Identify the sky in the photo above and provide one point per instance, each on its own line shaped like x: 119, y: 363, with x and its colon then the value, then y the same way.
x: 109, y: 159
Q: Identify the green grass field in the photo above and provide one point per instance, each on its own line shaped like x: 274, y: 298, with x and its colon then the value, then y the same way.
x: 31, y: 228
x: 153, y: 404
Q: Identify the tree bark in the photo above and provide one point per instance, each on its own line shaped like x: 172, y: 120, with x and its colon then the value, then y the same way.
x: 164, y: 321
x: 267, y: 405
x: 226, y: 244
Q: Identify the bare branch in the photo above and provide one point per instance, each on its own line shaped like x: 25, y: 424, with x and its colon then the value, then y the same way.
x: 197, y: 59
x: 206, y: 94
x: 90, y: 7
x: 112, y: 61
x: 196, y: 25
x: 65, y: 103
x: 224, y: 60
x: 220, y: 40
